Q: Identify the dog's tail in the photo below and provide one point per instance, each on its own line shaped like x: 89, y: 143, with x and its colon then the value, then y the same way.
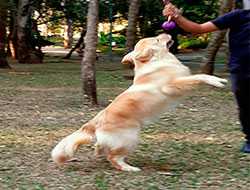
x: 66, y: 148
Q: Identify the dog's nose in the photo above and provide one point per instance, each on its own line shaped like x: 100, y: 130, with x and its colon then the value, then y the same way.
x: 170, y: 43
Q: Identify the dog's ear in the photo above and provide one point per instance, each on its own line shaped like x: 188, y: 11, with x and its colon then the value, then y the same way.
x: 128, y: 58
x: 144, y: 55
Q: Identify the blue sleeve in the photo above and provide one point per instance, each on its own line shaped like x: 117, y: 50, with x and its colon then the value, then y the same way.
x: 229, y: 20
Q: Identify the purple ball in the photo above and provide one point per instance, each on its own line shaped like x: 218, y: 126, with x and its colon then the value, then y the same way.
x: 168, y: 25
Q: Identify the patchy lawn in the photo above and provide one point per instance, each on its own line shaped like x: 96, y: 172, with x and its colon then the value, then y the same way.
x: 193, y: 146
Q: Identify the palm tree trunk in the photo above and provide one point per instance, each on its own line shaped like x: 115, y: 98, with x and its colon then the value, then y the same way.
x: 216, y: 39
x: 89, y: 58
x: 132, y: 22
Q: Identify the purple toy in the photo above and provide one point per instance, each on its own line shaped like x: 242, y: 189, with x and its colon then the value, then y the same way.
x: 168, y: 25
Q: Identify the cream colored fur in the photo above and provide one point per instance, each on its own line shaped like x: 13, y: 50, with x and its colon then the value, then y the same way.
x: 159, y: 80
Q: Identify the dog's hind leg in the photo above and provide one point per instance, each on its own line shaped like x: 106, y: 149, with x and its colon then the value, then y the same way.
x: 117, y: 156
x: 118, y: 143
x: 66, y: 148
x: 99, y: 150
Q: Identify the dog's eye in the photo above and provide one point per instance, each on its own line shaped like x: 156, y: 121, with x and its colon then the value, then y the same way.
x: 158, y: 40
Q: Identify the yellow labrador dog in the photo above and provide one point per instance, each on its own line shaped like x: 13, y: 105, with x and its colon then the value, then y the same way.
x: 159, y: 80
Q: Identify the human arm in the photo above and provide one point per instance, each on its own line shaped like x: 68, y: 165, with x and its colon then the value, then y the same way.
x: 187, y: 25
x: 193, y: 27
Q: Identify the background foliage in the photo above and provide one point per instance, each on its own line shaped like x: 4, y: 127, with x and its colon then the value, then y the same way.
x: 150, y: 16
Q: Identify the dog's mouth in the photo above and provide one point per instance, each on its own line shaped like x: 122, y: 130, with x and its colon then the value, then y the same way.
x: 170, y: 43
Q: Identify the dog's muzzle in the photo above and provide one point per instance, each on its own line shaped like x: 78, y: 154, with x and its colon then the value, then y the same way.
x: 170, y: 43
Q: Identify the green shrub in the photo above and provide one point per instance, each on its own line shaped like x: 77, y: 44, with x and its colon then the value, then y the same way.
x: 104, y: 39
x: 120, y: 40
x: 193, y: 42
x: 55, y: 39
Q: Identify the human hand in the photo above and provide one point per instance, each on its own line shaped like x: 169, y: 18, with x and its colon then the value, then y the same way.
x: 171, y: 12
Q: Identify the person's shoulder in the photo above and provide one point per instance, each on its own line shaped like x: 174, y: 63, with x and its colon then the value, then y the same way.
x: 245, y: 13
x: 240, y: 12
x: 236, y: 12
x: 232, y: 19
x: 242, y: 15
x: 227, y: 20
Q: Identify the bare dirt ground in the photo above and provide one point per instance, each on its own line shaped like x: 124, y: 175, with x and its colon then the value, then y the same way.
x: 193, y: 146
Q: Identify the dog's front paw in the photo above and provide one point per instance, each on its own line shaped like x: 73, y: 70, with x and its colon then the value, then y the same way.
x: 217, y: 82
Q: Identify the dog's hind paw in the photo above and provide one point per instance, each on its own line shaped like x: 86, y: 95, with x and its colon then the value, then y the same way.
x: 130, y: 169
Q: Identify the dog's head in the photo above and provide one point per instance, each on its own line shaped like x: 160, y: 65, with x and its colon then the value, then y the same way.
x: 148, y: 48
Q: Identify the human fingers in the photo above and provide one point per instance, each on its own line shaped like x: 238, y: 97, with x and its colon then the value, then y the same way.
x: 169, y: 10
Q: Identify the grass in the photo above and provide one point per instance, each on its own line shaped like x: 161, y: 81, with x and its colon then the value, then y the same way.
x: 193, y: 146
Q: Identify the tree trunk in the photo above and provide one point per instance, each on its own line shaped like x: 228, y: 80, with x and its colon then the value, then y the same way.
x: 227, y: 56
x: 132, y: 22
x: 26, y: 53
x: 89, y: 58
x: 68, y: 34
x: 78, y: 44
x: 68, y: 26
x: 217, y: 39
x: 214, y: 45
x: 3, y: 18
x: 12, y: 37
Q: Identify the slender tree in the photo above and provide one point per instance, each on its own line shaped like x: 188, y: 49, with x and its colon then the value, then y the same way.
x: 132, y: 22
x: 3, y: 19
x: 89, y: 58
x: 217, y: 39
